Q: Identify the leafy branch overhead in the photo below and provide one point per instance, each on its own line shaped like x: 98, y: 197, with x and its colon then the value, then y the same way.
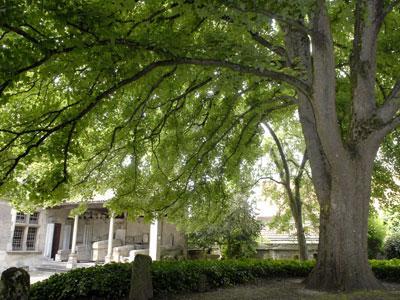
x: 131, y: 95
x: 95, y: 91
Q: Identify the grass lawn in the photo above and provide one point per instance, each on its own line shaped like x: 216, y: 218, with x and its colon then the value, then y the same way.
x: 286, y: 289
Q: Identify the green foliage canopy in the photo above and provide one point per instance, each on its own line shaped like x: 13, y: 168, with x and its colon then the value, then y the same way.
x: 95, y: 97
x: 159, y: 101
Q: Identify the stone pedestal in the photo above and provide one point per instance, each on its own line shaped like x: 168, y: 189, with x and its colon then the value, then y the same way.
x: 72, y: 261
x: 141, y: 282
x: 108, y: 259
x: 14, y: 284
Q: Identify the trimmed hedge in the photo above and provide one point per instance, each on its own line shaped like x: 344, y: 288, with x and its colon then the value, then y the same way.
x: 388, y: 270
x: 112, y: 281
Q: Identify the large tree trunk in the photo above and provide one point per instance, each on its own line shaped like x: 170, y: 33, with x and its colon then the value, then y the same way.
x: 342, y: 262
x: 341, y: 159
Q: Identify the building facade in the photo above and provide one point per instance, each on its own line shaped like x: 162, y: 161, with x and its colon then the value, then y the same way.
x: 94, y: 236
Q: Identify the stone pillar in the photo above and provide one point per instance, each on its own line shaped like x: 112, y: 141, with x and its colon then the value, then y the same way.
x: 73, y: 258
x: 49, y: 240
x: 154, y: 243
x: 66, y: 237
x: 108, y: 257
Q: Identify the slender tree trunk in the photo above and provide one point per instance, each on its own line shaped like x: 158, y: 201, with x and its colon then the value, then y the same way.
x: 298, y: 217
x: 342, y: 254
x: 301, y: 237
x: 294, y: 196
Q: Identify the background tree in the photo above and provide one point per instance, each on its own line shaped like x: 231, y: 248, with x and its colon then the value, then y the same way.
x: 392, y: 246
x: 169, y: 95
x: 289, y: 163
x: 235, y: 232
x: 385, y: 183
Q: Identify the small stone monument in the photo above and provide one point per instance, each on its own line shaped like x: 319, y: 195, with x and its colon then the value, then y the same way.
x: 141, y: 282
x: 202, y: 283
x: 14, y: 284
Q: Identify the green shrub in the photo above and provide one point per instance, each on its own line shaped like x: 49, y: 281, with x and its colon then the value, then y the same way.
x: 392, y: 246
x: 376, y: 236
x: 109, y: 282
x: 112, y: 281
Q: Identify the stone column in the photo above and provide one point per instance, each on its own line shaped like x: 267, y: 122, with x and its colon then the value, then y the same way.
x: 49, y: 240
x: 66, y: 237
x: 73, y: 258
x: 108, y: 257
x: 154, y: 245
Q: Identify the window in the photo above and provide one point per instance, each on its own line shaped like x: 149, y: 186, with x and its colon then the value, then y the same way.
x: 34, y: 218
x: 31, y: 238
x: 20, y: 218
x: 25, y: 232
x: 17, y: 238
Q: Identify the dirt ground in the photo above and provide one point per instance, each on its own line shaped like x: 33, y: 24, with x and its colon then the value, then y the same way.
x: 287, y: 289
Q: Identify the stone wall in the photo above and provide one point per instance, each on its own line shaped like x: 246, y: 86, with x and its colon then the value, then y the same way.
x: 19, y: 258
x: 285, y: 251
x: 5, y: 225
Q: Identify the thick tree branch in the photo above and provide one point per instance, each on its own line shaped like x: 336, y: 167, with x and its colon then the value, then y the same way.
x: 244, y: 69
x: 379, y: 134
x: 298, y: 46
x: 66, y: 152
x: 386, y: 10
x: 391, y: 106
x: 363, y: 62
x: 22, y: 33
x: 274, y: 48
x: 281, y: 154
x: 324, y: 85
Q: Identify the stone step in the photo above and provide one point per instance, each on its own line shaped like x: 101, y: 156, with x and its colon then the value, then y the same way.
x: 60, y: 266
x: 52, y: 268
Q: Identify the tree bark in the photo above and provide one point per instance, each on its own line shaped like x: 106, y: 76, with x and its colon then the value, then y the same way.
x: 342, y: 262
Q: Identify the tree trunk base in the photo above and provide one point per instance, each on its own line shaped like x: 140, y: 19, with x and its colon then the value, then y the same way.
x: 326, y: 279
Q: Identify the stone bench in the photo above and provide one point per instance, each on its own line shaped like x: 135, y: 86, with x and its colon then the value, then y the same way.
x: 100, y: 249
x: 120, y: 252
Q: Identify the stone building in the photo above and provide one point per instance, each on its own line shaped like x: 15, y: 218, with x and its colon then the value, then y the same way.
x: 95, y: 236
